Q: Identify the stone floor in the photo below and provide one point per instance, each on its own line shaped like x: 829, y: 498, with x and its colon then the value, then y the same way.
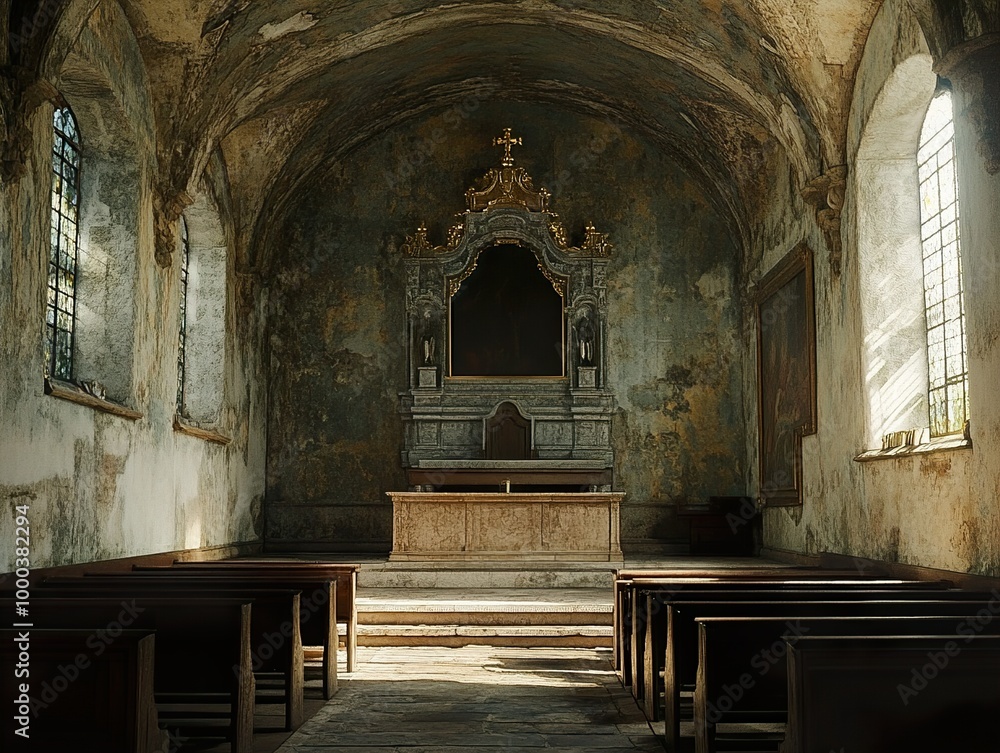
x: 480, y: 698
x: 420, y: 699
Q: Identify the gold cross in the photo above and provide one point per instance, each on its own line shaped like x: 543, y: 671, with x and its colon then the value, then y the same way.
x: 507, y: 142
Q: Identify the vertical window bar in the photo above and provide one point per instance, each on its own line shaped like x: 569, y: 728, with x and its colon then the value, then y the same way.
x: 944, y: 303
x: 64, y: 241
x: 182, y: 332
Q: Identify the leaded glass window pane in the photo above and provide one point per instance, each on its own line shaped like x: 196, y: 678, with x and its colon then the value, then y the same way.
x: 942, y: 265
x: 182, y: 332
x: 60, y: 313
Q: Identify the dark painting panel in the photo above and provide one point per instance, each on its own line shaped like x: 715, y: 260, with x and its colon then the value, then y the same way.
x: 506, y: 318
x: 786, y: 359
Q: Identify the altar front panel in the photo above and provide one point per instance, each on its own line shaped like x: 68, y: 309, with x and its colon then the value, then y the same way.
x: 515, y: 526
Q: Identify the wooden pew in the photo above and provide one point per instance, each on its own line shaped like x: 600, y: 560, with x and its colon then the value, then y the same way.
x: 632, y: 611
x: 681, y: 647
x: 648, y: 629
x: 275, y: 638
x: 742, y: 673
x: 202, y: 646
x: 622, y: 592
x: 320, y: 602
x: 346, y: 576
x: 647, y: 596
x: 106, y: 697
x: 890, y: 694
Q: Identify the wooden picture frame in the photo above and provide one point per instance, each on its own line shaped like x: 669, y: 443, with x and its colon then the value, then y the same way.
x: 786, y: 375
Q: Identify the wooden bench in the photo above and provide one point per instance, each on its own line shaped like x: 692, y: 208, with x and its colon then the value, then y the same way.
x: 320, y: 602
x: 77, y: 694
x: 742, y: 672
x: 275, y: 639
x: 628, y: 582
x: 681, y: 645
x: 216, y: 665
x: 648, y: 615
x: 890, y: 694
x: 646, y: 597
x: 622, y: 588
x: 346, y: 576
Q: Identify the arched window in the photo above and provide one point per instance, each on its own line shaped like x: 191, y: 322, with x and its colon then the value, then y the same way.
x: 913, y: 324
x: 182, y: 331
x: 64, y: 240
x: 947, y: 370
x: 201, y: 344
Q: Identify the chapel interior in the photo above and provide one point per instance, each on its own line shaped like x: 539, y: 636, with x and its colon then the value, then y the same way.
x: 272, y: 273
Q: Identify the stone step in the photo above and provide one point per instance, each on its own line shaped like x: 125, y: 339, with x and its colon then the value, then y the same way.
x: 484, y: 618
x: 571, y: 617
x: 574, y: 636
x: 523, y: 607
x: 502, y: 575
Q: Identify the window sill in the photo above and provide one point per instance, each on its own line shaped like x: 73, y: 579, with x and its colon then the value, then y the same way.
x: 74, y: 394
x: 183, y: 426
x: 938, y: 444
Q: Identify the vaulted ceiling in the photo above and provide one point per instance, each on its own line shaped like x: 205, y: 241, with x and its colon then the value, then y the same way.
x: 286, y: 86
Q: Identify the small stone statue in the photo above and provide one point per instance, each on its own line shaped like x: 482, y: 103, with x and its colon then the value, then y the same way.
x: 585, y: 335
x: 428, y: 343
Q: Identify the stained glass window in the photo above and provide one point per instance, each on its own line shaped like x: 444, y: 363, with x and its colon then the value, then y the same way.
x: 60, y: 308
x: 948, y: 381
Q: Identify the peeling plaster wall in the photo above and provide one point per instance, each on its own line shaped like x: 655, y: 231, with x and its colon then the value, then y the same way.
x: 100, y: 486
x: 337, y: 319
x: 938, y: 510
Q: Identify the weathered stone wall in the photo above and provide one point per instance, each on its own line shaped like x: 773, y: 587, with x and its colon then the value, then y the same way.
x: 337, y: 318
x: 100, y: 486
x: 935, y: 510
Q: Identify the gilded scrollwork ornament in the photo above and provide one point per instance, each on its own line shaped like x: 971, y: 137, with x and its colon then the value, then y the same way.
x: 559, y: 237
x: 418, y: 245
x: 595, y: 243
x: 506, y: 187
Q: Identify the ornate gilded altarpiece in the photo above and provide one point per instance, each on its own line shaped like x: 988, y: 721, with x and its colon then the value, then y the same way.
x: 446, y: 416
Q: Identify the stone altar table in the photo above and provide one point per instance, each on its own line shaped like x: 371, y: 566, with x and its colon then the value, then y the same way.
x: 578, y: 473
x: 476, y: 526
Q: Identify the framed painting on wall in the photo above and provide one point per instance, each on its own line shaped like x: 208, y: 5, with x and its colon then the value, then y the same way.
x: 786, y: 375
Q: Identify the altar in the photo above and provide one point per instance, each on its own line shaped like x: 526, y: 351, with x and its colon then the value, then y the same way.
x: 515, y: 526
x: 507, y: 361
